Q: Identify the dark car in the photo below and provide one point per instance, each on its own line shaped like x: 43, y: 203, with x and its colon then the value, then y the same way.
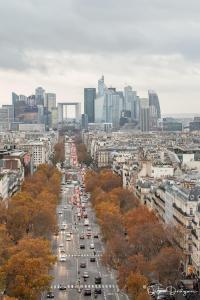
x: 97, y: 291
x: 82, y: 265
x: 87, y: 292
x: 50, y: 295
x: 96, y: 236
x: 97, y: 280
x: 62, y: 287
x: 92, y: 259
x: 82, y: 246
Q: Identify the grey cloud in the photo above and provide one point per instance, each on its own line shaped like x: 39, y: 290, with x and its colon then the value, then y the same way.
x: 100, y: 27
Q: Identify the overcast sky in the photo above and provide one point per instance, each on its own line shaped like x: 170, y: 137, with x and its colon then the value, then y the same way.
x: 66, y: 45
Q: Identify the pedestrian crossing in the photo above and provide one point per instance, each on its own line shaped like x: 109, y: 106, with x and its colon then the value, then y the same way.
x: 85, y: 286
x: 82, y: 255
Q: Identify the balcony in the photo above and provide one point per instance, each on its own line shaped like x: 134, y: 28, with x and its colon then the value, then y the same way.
x: 180, y: 210
x: 193, y: 232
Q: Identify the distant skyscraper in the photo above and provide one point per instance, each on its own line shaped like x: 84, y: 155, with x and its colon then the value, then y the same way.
x: 155, y: 112
x: 130, y: 98
x: 108, y: 108
x: 6, y: 117
x: 101, y: 86
x: 39, y: 96
x: 89, y: 101
x: 15, y: 98
x: 50, y: 101
x: 144, y: 115
x: 84, y: 121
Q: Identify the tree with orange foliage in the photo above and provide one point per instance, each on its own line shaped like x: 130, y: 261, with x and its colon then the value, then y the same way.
x: 26, y: 271
x: 147, y: 239
x: 139, y: 216
x: 108, y: 180
x: 167, y: 264
x: 59, y: 153
x: 3, y: 213
x: 127, y: 200
x: 135, y: 284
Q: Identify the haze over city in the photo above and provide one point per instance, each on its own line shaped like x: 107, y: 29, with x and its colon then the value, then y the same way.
x: 69, y: 45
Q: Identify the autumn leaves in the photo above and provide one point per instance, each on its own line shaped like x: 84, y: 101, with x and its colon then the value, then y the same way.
x: 137, y: 244
x: 25, y: 226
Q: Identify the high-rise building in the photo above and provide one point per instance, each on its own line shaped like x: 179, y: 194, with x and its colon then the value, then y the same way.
x: 49, y: 104
x: 89, y: 100
x: 144, y: 115
x: 39, y: 96
x: 84, y: 122
x: 54, y: 117
x: 31, y: 101
x: 101, y: 86
x: 108, y: 108
x: 50, y: 101
x: 155, y: 112
x: 130, y: 101
x: 6, y: 117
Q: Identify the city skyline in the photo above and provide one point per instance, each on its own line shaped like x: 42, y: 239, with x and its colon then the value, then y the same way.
x: 156, y: 48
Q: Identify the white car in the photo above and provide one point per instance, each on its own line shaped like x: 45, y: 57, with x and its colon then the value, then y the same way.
x: 68, y: 238
x: 86, y: 222
x: 91, y: 246
x: 61, y: 246
x: 62, y: 258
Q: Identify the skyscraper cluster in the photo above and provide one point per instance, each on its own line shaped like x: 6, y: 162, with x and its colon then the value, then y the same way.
x: 108, y: 105
x: 38, y: 108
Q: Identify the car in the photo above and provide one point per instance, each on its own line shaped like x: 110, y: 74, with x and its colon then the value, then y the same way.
x: 62, y: 258
x: 89, y: 229
x: 96, y: 236
x: 68, y: 238
x: 97, y: 291
x: 82, y: 246
x: 88, y: 234
x: 65, y: 207
x: 86, y: 222
x: 60, y: 212
x: 97, y: 280
x: 61, y: 246
x: 91, y: 246
x: 62, y: 250
x: 85, y: 216
x: 87, y: 292
x: 62, y: 287
x: 82, y: 237
x: 92, y: 259
x: 50, y: 295
x: 85, y: 275
x: 82, y: 265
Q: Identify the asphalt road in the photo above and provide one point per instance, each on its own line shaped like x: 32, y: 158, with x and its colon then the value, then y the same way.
x: 68, y: 273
